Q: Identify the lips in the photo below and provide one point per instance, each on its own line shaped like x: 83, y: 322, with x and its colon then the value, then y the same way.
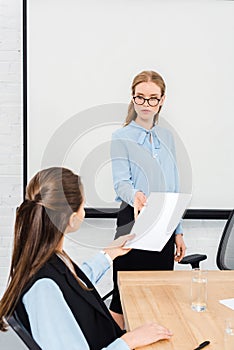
x: 145, y: 111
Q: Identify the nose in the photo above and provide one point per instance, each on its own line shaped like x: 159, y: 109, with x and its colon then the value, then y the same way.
x: 146, y: 103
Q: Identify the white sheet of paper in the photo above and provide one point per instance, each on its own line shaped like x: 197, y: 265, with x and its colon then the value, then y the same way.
x: 228, y: 302
x: 158, y: 220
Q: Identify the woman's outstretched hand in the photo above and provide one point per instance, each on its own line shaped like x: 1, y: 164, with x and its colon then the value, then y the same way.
x: 116, y: 248
x: 146, y: 335
x: 139, y: 202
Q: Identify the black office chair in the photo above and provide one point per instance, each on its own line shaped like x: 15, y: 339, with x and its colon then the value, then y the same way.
x: 21, y: 331
x: 225, y: 254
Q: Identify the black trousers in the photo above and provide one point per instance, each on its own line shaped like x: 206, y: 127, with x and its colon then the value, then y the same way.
x: 137, y: 259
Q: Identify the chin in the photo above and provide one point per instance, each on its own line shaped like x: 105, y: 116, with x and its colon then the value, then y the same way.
x: 147, y: 117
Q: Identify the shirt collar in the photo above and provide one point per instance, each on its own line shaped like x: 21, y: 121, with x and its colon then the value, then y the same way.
x: 143, y: 134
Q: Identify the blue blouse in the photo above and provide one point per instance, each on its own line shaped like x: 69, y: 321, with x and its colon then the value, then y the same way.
x: 58, y: 328
x: 143, y: 160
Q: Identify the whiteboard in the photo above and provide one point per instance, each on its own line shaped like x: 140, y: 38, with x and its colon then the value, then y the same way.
x: 81, y: 59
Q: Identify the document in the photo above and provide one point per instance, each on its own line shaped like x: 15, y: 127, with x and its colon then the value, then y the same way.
x: 228, y: 302
x: 158, y: 220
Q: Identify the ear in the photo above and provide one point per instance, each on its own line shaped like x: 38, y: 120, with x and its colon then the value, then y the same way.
x: 72, y: 220
x: 162, y: 100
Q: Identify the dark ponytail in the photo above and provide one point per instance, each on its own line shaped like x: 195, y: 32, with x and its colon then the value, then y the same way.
x: 51, y: 196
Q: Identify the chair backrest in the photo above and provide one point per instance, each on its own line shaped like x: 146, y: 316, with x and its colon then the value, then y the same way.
x: 21, y: 331
x: 225, y: 254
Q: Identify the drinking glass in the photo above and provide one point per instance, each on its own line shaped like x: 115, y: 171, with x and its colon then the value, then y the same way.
x: 199, y: 290
x: 229, y: 334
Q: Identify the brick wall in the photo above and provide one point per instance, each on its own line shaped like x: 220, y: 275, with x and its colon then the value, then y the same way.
x: 10, y: 126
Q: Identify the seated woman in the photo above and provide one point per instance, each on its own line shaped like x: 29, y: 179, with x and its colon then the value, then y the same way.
x: 54, y: 298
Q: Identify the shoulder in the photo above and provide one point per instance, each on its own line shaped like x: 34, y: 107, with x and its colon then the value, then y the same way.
x: 163, y: 133
x: 122, y: 132
x: 52, y: 270
x: 129, y: 132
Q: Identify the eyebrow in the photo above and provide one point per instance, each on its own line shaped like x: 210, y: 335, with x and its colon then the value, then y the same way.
x: 151, y: 95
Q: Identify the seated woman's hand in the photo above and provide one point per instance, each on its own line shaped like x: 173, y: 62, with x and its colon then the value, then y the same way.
x: 146, y: 334
x: 116, y: 248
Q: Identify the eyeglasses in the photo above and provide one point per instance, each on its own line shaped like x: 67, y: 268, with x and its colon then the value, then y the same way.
x: 152, y: 101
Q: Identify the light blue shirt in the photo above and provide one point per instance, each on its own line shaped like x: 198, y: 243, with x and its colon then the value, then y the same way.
x: 51, y: 320
x: 143, y: 160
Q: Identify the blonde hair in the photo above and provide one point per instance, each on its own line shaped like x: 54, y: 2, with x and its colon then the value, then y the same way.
x: 145, y: 77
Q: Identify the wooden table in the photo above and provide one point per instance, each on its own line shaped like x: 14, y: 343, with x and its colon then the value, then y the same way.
x: 164, y: 297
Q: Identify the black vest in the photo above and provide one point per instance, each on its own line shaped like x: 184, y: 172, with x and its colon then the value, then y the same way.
x: 89, y: 310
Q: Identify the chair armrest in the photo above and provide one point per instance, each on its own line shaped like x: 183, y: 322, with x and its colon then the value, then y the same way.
x: 193, y: 259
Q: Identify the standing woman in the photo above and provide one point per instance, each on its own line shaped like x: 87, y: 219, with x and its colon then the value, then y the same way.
x: 143, y: 160
x: 54, y: 298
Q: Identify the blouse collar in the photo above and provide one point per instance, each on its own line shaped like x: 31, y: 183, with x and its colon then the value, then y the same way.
x: 155, y: 141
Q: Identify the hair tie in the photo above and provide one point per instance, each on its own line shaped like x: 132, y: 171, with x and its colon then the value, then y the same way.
x: 39, y: 203
x: 34, y: 202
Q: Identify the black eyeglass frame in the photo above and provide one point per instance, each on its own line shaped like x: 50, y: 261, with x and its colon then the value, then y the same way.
x: 146, y: 99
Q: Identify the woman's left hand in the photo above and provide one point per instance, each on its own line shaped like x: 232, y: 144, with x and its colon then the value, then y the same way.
x: 180, y: 247
x: 116, y: 248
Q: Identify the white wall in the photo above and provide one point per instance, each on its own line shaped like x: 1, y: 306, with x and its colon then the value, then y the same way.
x: 10, y: 126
